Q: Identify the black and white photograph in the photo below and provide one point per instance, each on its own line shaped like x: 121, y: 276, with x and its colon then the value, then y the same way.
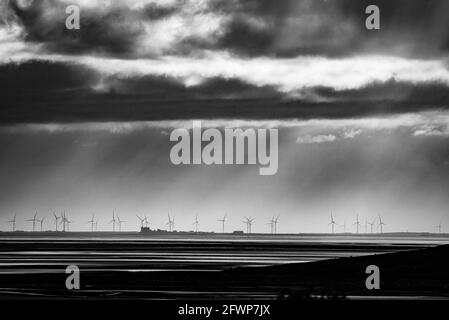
x: 207, y: 151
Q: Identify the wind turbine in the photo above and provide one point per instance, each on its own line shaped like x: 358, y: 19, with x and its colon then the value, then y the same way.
x: 96, y: 225
x: 381, y: 224
x: 222, y: 223
x: 113, y: 221
x: 332, y: 223
x: 251, y: 220
x: 66, y: 222
x: 13, y: 222
x: 34, y: 221
x: 366, y: 225
x: 63, y: 220
x: 372, y: 224
x: 142, y: 220
x: 41, y: 221
x: 357, y: 223
x: 92, y: 222
x: 275, y: 222
x: 249, y: 223
x: 56, y: 220
x: 146, y: 221
x: 170, y: 223
x: 196, y: 223
x: 120, y: 223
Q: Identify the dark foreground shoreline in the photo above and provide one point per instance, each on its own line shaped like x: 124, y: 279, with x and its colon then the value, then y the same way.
x: 407, y: 271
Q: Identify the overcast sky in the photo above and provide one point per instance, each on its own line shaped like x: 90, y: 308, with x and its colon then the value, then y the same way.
x: 363, y: 116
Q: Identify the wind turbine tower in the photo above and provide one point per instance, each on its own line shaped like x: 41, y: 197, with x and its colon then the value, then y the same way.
x: 332, y: 223
x: 357, y: 223
x: 41, y: 222
x: 66, y: 222
x: 34, y: 221
x: 92, y: 223
x: 119, y: 221
x: 142, y: 220
x: 222, y: 223
x: 146, y: 221
x: 196, y: 223
x: 171, y: 223
x: 63, y: 221
x: 56, y: 221
x: 113, y: 221
x: 275, y: 222
x: 381, y: 224
x: 372, y: 224
x: 13, y: 223
x: 249, y: 223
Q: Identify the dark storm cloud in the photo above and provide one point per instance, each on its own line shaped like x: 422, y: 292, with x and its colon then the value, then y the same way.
x: 111, y: 31
x: 25, y: 81
x: 247, y: 39
x: 144, y: 61
x: 119, y: 107
x: 289, y: 28
x: 436, y: 93
x: 38, y: 91
x: 42, y: 77
x: 251, y: 27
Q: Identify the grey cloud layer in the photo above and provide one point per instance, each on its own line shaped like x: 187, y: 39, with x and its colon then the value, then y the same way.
x: 154, y: 59
x: 82, y: 167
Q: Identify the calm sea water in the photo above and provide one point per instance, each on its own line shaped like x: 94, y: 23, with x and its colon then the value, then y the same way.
x: 26, y: 254
x: 41, y: 256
